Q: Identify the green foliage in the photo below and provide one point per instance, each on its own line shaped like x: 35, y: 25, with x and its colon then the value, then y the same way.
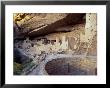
x: 21, y: 68
x: 28, y: 66
x: 17, y: 68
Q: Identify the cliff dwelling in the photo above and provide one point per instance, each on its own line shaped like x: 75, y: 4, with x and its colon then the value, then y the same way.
x: 55, y: 43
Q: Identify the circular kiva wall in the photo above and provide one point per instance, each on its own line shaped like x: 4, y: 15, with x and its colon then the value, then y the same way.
x: 71, y: 66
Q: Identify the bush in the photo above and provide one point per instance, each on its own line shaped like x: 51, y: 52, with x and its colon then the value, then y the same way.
x: 17, y: 68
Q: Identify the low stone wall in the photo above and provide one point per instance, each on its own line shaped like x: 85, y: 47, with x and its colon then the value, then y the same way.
x: 59, y: 64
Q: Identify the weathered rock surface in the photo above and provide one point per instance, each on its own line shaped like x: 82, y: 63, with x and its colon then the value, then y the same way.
x: 20, y: 57
x: 40, y: 25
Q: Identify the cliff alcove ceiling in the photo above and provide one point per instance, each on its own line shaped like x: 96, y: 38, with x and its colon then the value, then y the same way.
x: 35, y: 25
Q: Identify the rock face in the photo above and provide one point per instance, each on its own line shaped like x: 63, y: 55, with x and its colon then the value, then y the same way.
x: 20, y: 57
x: 43, y: 24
